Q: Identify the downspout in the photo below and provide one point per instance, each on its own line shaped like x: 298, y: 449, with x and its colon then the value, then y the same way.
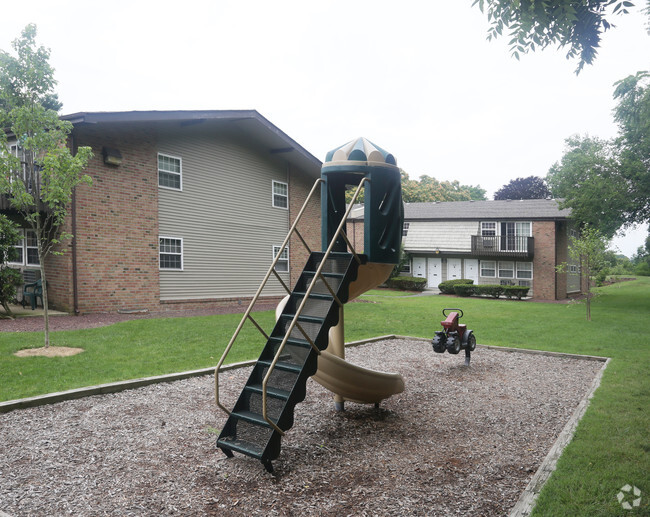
x: 73, y: 215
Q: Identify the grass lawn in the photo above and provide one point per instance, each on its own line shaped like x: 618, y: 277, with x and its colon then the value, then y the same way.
x: 610, y: 447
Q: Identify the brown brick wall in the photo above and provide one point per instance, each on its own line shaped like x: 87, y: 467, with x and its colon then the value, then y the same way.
x: 309, y: 226
x: 544, y: 276
x: 117, y: 224
x: 562, y: 255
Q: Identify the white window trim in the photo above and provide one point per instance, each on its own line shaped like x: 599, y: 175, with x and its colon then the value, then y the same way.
x: 499, y: 268
x: 495, y: 269
x: 160, y: 268
x: 406, y: 268
x: 276, y: 251
x: 27, y: 248
x: 517, y: 271
x: 495, y: 229
x: 22, y: 245
x: 405, y: 228
x: 180, y: 174
x: 273, y: 183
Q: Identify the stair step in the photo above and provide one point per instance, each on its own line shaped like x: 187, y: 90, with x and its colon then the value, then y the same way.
x: 304, y: 318
x: 315, y: 296
x: 287, y: 367
x: 248, y: 448
x: 325, y: 274
x: 251, y: 417
x: 302, y: 343
x: 271, y: 391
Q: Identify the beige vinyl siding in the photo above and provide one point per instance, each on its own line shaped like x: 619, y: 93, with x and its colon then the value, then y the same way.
x: 449, y: 236
x: 224, y: 215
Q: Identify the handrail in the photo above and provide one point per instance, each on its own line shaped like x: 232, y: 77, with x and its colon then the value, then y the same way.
x: 258, y: 293
x: 294, y: 321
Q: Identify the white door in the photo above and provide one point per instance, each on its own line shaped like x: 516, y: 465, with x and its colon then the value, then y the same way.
x: 453, y: 269
x: 471, y: 270
x: 420, y: 267
x: 433, y: 274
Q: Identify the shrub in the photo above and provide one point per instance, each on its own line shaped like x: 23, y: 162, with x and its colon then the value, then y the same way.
x: 489, y: 290
x: 464, y: 289
x: 407, y: 283
x: 516, y: 291
x: 448, y: 286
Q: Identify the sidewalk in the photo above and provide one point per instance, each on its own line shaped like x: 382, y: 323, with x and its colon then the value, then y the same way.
x: 17, y: 311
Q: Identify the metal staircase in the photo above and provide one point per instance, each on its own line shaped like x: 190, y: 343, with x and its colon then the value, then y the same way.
x: 291, y: 355
x: 264, y: 410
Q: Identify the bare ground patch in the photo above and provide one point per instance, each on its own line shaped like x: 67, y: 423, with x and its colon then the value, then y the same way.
x: 457, y: 441
x: 50, y: 351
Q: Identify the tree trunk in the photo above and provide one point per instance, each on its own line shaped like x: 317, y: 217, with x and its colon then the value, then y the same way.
x: 41, y: 261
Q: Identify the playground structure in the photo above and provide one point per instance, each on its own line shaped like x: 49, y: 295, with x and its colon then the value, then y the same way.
x: 308, y: 337
x: 455, y: 336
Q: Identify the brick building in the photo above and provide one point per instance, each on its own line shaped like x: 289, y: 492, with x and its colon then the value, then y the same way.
x: 187, y: 209
x: 491, y: 242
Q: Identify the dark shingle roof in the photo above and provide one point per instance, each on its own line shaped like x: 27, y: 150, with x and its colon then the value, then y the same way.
x: 509, y: 209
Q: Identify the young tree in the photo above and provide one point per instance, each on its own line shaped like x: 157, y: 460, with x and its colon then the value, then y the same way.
x: 588, y: 181
x: 38, y: 173
x: 575, y: 24
x: 589, y: 250
x: 532, y: 187
x: 9, y: 278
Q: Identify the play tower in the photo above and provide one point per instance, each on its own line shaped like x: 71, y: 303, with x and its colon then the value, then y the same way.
x: 308, y: 337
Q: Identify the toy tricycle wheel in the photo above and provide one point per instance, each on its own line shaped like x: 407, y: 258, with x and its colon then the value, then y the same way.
x: 471, y: 341
x: 453, y: 344
x: 439, y: 342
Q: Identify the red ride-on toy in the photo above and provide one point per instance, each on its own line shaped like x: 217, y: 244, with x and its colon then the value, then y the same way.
x: 455, y: 336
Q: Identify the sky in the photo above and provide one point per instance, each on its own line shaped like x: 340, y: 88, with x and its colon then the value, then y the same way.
x: 418, y: 78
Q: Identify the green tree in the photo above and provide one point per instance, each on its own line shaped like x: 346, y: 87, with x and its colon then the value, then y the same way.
x: 575, y: 24
x: 38, y: 173
x: 532, y: 187
x: 606, y: 183
x: 632, y: 114
x: 588, y: 181
x: 428, y: 189
x: 9, y: 278
x: 589, y: 250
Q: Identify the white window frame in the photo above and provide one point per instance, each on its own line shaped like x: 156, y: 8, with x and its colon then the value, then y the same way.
x: 524, y: 277
x: 406, y: 268
x: 32, y: 247
x: 405, y: 228
x: 519, y: 225
x: 510, y: 268
x: 21, y: 247
x: 179, y: 173
x: 285, y: 186
x: 282, y: 259
x: 160, y: 253
x: 494, y: 268
x: 486, y: 231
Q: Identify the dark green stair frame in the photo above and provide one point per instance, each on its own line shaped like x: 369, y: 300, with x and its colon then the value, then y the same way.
x: 246, y: 431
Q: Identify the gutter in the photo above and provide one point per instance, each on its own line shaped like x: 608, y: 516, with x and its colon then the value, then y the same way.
x: 73, y: 214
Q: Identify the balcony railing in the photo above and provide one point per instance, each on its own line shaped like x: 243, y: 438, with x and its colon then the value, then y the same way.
x: 503, y: 246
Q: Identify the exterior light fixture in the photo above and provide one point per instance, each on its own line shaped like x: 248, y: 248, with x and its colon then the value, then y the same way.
x: 112, y: 156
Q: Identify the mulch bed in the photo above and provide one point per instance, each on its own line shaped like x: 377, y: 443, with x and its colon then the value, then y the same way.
x: 457, y: 441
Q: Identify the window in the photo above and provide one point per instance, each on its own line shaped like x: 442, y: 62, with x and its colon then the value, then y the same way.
x: 488, y: 268
x: 506, y: 269
x: 169, y: 172
x: 488, y: 229
x: 573, y: 269
x: 282, y: 265
x: 524, y: 270
x: 406, y: 268
x: 19, y: 257
x: 31, y: 248
x: 405, y: 229
x: 280, y: 194
x: 171, y: 253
